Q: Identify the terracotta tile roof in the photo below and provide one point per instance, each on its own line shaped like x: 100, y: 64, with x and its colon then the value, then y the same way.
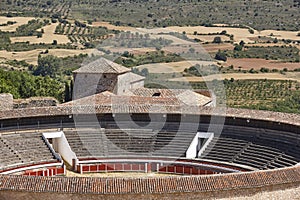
x: 102, y: 66
x: 144, y: 96
x: 279, y: 117
x: 188, y: 97
x: 153, y: 185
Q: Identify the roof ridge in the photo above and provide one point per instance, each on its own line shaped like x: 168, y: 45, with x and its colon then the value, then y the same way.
x: 102, y: 65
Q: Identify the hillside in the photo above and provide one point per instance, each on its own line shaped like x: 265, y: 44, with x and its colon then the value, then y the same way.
x: 259, y: 14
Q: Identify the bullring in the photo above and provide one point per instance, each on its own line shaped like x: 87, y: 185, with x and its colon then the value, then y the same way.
x: 239, y: 177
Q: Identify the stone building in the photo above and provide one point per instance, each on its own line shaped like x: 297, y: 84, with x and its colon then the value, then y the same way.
x: 104, y: 75
x: 105, y: 82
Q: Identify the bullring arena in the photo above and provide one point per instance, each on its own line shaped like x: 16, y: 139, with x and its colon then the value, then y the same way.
x: 256, y: 156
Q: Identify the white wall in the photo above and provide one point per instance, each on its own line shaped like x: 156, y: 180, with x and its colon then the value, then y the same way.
x: 65, y: 150
x: 125, y: 83
x: 139, y: 84
x: 61, y: 145
x: 210, y: 137
x: 192, y: 150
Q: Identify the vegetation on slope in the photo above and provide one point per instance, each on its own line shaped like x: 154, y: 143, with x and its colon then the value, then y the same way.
x: 281, y: 14
x: 25, y: 85
x: 282, y: 53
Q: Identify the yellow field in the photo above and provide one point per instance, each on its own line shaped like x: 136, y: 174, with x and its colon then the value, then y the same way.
x: 173, y: 66
x: 258, y: 63
x: 176, y: 40
x: 20, y: 21
x: 208, y: 38
x: 239, y: 33
x: 241, y: 76
x: 72, y: 52
x: 28, y: 56
x: 215, y: 47
x: 31, y: 57
x: 47, y: 38
x: 131, y: 50
x: 112, y: 27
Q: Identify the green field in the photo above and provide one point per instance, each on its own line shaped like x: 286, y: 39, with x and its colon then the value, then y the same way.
x: 268, y: 14
x: 273, y: 95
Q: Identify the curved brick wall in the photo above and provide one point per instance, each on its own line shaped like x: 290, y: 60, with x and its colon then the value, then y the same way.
x: 167, y: 185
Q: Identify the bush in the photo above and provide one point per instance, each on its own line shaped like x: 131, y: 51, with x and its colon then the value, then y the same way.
x: 47, y: 66
x: 238, y: 48
x: 221, y: 56
x: 264, y: 70
x: 217, y: 40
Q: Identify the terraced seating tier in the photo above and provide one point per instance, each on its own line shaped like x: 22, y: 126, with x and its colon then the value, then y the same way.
x: 258, y: 148
x: 130, y: 142
x: 23, y: 149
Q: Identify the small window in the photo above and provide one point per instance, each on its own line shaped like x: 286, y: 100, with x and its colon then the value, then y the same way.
x: 156, y: 94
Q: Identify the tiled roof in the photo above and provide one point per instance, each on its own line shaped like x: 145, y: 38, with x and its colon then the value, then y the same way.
x: 151, y: 185
x: 102, y: 66
x: 188, y: 97
x: 144, y: 96
x: 279, y: 117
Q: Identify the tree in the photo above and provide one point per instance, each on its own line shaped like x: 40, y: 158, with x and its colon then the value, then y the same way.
x: 54, y: 42
x: 39, y: 34
x: 221, y: 56
x: 71, y: 89
x: 264, y: 70
x: 192, y: 50
x: 68, y: 93
x: 223, y: 32
x: 238, y: 48
x: 217, y: 40
x: 47, y: 66
x: 144, y: 72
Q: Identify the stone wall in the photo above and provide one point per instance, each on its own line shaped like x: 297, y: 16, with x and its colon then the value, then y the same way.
x: 126, y: 83
x: 6, y: 102
x: 34, y: 102
x: 90, y: 84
